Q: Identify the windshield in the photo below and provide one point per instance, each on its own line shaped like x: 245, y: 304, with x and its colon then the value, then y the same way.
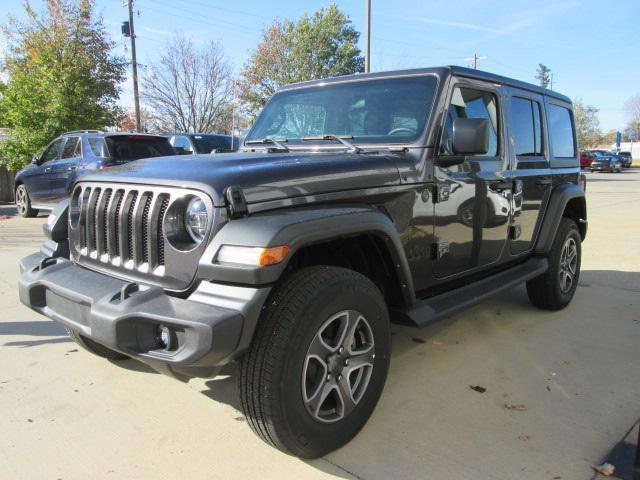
x: 392, y: 110
x: 130, y: 147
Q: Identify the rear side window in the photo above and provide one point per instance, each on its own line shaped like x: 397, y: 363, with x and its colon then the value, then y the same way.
x: 561, y: 131
x: 209, y: 143
x: 71, y: 148
x: 526, y: 127
x: 98, y: 147
x: 135, y: 147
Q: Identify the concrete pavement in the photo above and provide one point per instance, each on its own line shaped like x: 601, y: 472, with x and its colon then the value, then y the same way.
x: 67, y: 414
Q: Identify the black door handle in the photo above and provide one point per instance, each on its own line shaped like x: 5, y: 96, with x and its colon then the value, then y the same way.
x: 500, y: 185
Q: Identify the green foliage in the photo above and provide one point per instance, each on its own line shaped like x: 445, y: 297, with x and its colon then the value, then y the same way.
x: 62, y: 76
x: 320, y: 45
x: 543, y: 75
x: 587, y: 124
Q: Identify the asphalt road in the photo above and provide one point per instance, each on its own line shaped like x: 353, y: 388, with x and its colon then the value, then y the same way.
x: 67, y: 414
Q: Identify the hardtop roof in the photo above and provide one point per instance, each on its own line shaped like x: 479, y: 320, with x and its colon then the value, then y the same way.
x: 439, y: 71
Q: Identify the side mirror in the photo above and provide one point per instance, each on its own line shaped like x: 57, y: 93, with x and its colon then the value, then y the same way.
x: 35, y: 159
x: 470, y: 136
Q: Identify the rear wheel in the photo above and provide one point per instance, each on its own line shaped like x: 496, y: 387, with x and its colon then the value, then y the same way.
x: 94, y: 347
x: 554, y: 289
x: 23, y: 203
x: 318, y: 361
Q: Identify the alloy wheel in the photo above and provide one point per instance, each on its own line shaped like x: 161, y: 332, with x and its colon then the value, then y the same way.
x: 338, y: 366
x: 21, y: 200
x: 568, y: 264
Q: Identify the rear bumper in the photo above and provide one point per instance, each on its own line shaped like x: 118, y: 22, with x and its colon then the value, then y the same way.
x: 207, y: 327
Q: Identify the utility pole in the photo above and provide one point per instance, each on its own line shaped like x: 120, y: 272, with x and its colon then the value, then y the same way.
x: 475, y: 59
x: 367, y: 52
x: 134, y: 66
x: 551, y: 82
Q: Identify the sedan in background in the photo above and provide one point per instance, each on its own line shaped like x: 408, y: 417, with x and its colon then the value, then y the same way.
x: 202, y: 143
x: 606, y: 163
x: 51, y: 174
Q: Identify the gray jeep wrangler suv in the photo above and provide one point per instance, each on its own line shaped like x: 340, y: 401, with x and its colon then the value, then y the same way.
x: 355, y: 201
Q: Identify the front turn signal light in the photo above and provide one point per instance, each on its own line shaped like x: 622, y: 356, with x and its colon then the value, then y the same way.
x: 255, y: 256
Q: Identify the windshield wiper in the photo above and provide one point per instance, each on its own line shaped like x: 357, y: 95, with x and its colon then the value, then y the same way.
x: 278, y: 144
x: 342, y: 139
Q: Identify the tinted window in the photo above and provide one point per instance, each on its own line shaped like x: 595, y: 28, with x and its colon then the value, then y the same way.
x: 470, y: 103
x: 135, y: 147
x: 560, y: 131
x: 208, y: 143
x: 71, y: 148
x: 181, y: 144
x: 525, y: 125
x: 375, y: 111
x: 53, y: 152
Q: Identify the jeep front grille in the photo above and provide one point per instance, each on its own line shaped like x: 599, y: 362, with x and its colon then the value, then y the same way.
x: 123, y: 226
x: 120, y: 228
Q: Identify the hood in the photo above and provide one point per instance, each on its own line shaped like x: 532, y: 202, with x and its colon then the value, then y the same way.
x: 262, y: 176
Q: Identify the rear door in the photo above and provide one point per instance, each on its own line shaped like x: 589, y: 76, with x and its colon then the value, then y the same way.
x: 530, y: 164
x: 63, y: 170
x: 472, y: 206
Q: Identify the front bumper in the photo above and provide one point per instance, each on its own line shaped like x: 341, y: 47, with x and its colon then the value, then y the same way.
x: 125, y: 316
x: 600, y: 167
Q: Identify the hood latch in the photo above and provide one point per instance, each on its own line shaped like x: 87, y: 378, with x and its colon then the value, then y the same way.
x: 236, y: 203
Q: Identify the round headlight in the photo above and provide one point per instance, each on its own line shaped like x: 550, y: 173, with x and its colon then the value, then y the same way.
x: 196, y: 219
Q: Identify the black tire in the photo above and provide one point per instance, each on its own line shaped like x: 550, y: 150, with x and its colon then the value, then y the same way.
x: 23, y: 202
x: 271, y: 375
x: 94, y: 347
x: 546, y: 291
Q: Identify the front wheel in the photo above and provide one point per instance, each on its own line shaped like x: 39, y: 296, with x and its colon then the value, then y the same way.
x: 554, y: 289
x: 318, y: 361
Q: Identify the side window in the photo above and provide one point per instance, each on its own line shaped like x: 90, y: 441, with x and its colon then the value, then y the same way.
x: 471, y: 103
x: 98, y: 147
x: 561, y: 131
x: 53, y: 152
x: 526, y: 127
x: 71, y: 148
x: 181, y: 144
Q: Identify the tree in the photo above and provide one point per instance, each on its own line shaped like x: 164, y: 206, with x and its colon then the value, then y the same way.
x: 61, y: 75
x: 544, y: 75
x: 587, y: 124
x: 320, y: 45
x: 632, y: 106
x: 190, y: 89
x: 127, y: 121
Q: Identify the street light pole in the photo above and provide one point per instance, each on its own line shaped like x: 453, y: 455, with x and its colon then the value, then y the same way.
x: 134, y: 65
x: 367, y: 53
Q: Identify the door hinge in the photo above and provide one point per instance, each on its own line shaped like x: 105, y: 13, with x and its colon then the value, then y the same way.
x: 236, y: 202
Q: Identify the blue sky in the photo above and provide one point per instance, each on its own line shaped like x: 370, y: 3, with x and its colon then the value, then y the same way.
x: 591, y: 46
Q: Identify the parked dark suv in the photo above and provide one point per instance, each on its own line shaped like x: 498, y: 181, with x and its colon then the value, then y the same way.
x: 401, y: 196
x: 52, y: 173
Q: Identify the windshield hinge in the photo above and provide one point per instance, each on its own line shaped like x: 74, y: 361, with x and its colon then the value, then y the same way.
x: 236, y: 203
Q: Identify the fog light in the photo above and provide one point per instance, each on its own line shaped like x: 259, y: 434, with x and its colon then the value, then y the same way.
x: 165, y: 337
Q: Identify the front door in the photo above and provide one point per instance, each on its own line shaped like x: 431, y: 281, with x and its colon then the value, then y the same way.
x: 63, y: 171
x: 473, y: 198
x: 530, y: 163
x: 39, y: 181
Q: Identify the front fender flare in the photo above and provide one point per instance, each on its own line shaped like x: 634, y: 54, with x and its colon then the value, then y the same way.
x: 297, y: 228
